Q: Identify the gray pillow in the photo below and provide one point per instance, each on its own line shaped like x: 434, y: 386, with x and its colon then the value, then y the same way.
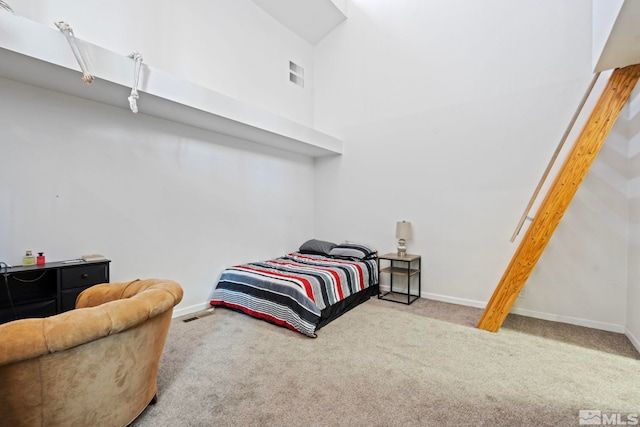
x: 351, y: 250
x: 316, y: 247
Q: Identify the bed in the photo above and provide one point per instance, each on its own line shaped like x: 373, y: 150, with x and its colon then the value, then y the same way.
x: 302, y: 290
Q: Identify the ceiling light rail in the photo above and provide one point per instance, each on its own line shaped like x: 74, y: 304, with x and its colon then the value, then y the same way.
x: 37, y: 55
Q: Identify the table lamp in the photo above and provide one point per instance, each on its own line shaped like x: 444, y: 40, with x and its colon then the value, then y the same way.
x: 404, y: 232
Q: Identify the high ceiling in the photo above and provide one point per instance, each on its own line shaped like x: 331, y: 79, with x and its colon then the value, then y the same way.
x: 314, y: 19
x: 622, y: 47
x: 310, y: 19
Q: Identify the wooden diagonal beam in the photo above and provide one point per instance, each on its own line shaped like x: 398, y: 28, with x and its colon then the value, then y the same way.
x: 560, y: 194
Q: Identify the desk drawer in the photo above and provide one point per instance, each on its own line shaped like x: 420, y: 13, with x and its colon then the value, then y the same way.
x: 68, y: 299
x: 83, y: 276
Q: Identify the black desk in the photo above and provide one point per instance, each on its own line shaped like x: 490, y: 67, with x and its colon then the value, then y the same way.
x: 45, y: 290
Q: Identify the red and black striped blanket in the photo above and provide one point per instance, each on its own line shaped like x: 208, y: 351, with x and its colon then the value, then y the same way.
x: 292, y: 290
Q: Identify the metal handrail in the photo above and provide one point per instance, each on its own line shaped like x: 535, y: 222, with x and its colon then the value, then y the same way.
x: 525, y: 214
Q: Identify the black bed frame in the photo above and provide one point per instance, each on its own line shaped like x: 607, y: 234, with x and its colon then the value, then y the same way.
x: 338, y: 309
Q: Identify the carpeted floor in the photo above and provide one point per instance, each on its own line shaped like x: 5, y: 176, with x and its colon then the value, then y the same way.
x: 386, y: 364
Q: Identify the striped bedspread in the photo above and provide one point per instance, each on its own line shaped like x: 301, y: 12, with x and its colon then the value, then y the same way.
x: 292, y: 291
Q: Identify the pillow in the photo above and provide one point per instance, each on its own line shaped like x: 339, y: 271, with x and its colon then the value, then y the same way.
x: 353, y: 251
x: 316, y: 247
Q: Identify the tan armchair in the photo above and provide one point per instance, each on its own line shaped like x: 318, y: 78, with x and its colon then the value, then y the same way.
x: 96, y: 365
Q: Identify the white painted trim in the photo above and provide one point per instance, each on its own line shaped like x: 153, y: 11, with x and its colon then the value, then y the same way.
x: 454, y: 300
x: 183, y: 311
x: 446, y: 298
x: 604, y: 326
x: 610, y: 327
x: 34, y: 54
x: 634, y: 340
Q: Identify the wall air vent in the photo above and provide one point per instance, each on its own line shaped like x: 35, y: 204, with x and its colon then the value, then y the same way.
x: 296, y: 74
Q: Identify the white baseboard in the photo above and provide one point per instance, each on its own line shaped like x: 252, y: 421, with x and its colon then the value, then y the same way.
x: 183, y: 311
x: 604, y: 326
x: 445, y: 298
x: 454, y: 300
x: 634, y: 340
x: 593, y: 324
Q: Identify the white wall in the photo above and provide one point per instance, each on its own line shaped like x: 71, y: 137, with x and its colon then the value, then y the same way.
x: 231, y: 46
x: 633, y: 131
x: 157, y: 198
x: 449, y: 124
x: 342, y: 5
x: 439, y: 130
x: 581, y: 277
x: 605, y: 13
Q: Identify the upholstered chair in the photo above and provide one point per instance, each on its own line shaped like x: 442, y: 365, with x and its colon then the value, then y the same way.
x: 95, y: 365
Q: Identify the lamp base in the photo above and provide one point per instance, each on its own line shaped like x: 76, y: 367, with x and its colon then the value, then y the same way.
x: 402, y: 248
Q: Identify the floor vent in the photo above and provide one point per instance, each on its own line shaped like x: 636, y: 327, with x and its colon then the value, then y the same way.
x: 199, y: 315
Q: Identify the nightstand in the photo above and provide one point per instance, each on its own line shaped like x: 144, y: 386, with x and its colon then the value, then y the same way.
x: 406, y: 267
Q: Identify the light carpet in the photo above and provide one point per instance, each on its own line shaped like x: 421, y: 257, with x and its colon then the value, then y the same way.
x: 385, y: 364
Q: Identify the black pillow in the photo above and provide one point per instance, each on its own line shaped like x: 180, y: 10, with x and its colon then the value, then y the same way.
x: 316, y: 247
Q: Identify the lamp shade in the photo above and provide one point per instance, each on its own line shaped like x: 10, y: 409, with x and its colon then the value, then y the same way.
x: 404, y: 230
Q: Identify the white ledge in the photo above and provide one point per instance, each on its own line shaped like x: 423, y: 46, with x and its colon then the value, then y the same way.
x: 38, y: 55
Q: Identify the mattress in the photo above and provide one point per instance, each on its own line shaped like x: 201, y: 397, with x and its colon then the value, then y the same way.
x: 294, y: 290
